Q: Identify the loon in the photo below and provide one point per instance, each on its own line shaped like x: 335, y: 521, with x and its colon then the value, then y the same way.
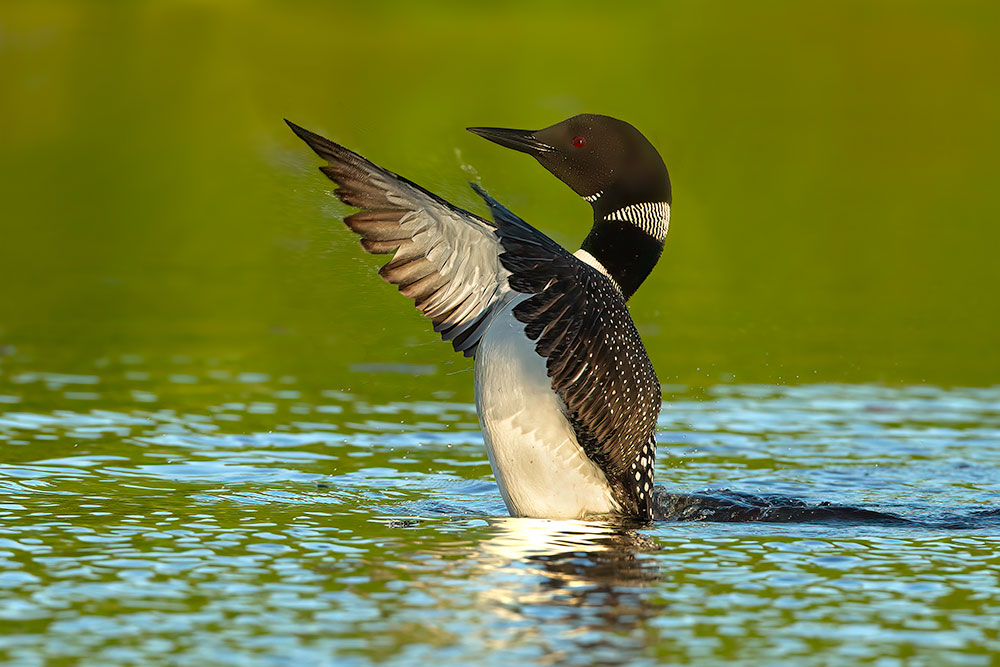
x: 566, y: 395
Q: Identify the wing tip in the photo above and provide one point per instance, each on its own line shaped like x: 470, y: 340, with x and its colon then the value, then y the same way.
x: 330, y: 151
x: 301, y: 132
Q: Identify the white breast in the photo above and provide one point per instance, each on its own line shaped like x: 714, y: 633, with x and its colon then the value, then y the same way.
x: 540, y: 469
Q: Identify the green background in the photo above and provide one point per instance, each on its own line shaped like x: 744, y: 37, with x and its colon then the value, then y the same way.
x: 834, y: 169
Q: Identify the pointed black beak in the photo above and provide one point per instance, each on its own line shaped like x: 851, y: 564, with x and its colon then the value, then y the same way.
x: 520, y: 140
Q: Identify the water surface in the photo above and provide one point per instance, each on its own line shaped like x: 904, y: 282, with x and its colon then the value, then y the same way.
x: 277, y: 523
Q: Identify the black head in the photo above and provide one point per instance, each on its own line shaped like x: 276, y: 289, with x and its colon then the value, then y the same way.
x: 605, y: 160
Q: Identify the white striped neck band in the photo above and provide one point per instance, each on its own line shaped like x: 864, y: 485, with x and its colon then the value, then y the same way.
x: 651, y: 217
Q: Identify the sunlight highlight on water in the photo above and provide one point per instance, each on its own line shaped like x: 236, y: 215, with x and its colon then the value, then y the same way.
x: 294, y: 524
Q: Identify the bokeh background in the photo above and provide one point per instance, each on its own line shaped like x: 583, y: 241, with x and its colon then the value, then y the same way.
x: 834, y: 169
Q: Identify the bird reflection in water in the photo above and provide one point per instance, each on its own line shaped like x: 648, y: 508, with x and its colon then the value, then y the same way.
x: 590, y: 585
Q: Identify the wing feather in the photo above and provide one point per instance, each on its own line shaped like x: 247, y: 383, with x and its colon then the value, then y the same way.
x: 446, y: 259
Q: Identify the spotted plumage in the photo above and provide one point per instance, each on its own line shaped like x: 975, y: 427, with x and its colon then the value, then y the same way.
x: 594, y: 355
x: 566, y: 394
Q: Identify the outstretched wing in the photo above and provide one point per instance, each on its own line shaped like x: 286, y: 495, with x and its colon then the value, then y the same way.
x: 446, y: 259
x: 593, y: 352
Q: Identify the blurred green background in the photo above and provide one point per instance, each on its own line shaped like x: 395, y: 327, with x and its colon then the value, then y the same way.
x: 834, y: 170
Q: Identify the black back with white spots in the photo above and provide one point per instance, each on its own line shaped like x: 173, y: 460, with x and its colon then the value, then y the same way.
x: 595, y: 357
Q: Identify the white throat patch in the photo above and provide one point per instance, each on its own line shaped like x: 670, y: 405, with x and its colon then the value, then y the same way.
x: 651, y: 217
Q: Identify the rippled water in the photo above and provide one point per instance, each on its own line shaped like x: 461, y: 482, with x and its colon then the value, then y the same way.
x: 268, y: 522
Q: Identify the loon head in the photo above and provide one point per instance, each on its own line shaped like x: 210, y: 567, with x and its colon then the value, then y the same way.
x: 612, y: 166
x: 604, y: 160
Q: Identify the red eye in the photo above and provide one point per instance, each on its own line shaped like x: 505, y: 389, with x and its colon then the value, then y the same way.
x: 579, y: 142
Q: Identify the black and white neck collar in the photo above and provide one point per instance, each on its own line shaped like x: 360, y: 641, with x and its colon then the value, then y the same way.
x: 626, y: 242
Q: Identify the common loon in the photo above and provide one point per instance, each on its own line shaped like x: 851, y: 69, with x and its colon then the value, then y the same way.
x: 566, y: 395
